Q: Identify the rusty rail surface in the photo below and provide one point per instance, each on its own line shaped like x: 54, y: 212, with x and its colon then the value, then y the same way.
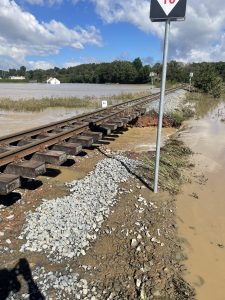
x: 67, y: 128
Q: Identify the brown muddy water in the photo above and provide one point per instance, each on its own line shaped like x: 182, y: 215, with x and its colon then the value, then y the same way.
x: 139, y: 139
x: 201, y: 206
x: 11, y: 122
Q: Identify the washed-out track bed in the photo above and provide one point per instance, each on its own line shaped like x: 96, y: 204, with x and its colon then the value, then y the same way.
x: 26, y: 153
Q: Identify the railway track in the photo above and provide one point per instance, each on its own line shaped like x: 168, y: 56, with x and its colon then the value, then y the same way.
x: 26, y: 153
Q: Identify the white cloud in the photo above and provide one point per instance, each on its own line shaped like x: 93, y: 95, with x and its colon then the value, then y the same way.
x: 44, y: 2
x: 21, y: 34
x: 44, y: 65
x: 50, y: 2
x: 71, y: 64
x: 200, y: 37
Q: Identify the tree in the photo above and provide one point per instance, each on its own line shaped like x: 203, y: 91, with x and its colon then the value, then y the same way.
x: 176, y: 72
x: 138, y: 64
x: 12, y: 72
x: 207, y: 80
x: 157, y: 68
x: 22, y: 71
x: 143, y: 76
x: 207, y: 76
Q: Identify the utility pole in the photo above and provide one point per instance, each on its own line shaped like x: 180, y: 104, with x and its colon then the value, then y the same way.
x: 152, y: 74
x: 190, y: 79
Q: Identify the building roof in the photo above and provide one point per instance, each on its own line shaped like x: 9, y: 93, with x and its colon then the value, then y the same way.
x: 52, y: 80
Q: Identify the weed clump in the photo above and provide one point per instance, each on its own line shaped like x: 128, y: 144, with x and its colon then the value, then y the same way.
x: 37, y: 105
x: 178, y: 117
x: 174, y: 158
x: 34, y: 105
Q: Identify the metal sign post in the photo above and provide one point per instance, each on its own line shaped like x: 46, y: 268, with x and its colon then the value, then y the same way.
x: 164, y: 11
x: 152, y: 74
x: 161, y: 104
x: 190, y: 78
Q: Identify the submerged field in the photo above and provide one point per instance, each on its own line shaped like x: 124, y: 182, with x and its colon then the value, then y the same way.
x: 37, y: 105
x: 16, y: 91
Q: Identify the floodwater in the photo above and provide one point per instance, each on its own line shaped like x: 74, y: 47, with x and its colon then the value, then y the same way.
x: 17, y: 91
x: 12, y: 122
x: 140, y: 139
x: 201, y: 206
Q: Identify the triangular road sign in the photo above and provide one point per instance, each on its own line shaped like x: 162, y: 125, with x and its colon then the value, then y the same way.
x: 168, y: 5
x: 173, y: 10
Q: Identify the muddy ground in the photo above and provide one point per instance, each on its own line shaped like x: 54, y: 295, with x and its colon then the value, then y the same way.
x: 137, y: 255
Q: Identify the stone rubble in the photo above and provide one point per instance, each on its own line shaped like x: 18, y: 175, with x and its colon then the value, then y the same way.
x: 61, y: 285
x: 63, y: 228
x: 67, y: 284
x: 173, y: 102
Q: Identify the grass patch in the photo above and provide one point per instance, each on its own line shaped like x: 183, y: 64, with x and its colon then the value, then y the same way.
x: 35, y: 105
x: 178, y: 117
x: 174, y: 158
x: 169, y: 84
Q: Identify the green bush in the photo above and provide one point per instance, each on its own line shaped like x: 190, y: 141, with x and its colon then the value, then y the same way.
x: 177, y: 119
x: 207, y: 80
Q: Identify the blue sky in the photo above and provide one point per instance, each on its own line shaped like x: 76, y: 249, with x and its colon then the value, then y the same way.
x: 48, y: 33
x: 119, y: 40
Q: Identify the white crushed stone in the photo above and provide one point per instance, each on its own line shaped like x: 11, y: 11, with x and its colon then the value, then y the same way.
x: 64, y: 227
x: 66, y: 284
x: 173, y: 102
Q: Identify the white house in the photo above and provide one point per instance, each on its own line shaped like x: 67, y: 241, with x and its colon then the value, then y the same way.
x: 53, y: 81
x: 17, y: 77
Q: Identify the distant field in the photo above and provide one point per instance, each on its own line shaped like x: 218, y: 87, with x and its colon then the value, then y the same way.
x: 16, y: 91
x: 36, y: 105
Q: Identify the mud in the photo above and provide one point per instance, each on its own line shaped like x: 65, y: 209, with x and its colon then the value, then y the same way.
x: 151, y: 120
x: 139, y: 139
x: 150, y: 270
x: 201, y: 206
x: 118, y: 266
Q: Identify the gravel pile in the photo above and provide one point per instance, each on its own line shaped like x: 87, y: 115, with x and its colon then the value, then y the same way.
x: 64, y: 227
x: 172, y: 102
x: 57, y: 285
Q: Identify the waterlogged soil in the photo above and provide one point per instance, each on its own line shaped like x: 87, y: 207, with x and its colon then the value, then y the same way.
x: 140, y: 139
x: 150, y: 268
x: 141, y: 136
x: 201, y: 206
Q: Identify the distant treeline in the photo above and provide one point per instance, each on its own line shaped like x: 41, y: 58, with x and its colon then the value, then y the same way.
x: 115, y: 72
x: 118, y: 72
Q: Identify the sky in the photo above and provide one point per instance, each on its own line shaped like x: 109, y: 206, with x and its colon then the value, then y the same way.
x: 63, y: 33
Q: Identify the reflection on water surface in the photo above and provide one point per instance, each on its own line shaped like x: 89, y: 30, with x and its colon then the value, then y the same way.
x: 201, y: 206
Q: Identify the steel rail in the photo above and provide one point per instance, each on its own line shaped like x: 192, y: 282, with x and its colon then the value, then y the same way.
x: 48, y: 127
x: 20, y: 152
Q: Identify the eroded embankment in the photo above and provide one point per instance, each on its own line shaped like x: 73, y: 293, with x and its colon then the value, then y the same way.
x: 111, y: 237
x: 103, y: 236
